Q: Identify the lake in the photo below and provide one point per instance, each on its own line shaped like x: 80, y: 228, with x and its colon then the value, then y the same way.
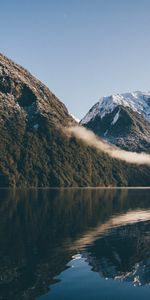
x: 67, y: 244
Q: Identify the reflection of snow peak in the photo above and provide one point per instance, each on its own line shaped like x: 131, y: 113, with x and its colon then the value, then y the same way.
x: 122, y: 253
x: 77, y: 256
x: 136, y: 101
x: 136, y: 275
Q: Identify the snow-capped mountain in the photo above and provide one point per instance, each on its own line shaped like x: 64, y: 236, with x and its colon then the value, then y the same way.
x: 122, y: 119
x: 35, y: 147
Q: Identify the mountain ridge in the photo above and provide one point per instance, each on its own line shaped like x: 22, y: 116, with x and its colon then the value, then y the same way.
x: 123, y: 120
x: 35, y: 150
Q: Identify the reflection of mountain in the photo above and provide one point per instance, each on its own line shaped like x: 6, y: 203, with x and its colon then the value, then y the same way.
x: 40, y: 230
x: 123, y: 253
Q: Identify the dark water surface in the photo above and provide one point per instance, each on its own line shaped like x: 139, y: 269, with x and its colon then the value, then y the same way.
x: 75, y: 244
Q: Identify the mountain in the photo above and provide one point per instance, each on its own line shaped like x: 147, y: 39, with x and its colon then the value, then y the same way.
x: 35, y: 149
x: 123, y: 120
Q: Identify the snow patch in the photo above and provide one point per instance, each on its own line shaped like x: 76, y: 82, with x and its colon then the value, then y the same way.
x: 105, y: 133
x: 116, y: 117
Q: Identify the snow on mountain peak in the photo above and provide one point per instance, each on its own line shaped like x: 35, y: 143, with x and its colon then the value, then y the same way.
x: 137, y: 101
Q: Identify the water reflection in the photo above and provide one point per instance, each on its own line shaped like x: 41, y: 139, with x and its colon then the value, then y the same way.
x: 123, y: 253
x: 40, y: 231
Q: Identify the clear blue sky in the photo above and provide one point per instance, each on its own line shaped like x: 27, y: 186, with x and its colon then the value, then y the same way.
x: 81, y: 49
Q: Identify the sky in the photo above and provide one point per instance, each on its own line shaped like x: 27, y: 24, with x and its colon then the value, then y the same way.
x: 81, y: 49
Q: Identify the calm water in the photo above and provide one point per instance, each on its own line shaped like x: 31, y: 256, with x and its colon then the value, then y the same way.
x: 74, y: 244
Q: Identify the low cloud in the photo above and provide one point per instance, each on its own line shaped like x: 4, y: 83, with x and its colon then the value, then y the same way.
x: 91, y: 139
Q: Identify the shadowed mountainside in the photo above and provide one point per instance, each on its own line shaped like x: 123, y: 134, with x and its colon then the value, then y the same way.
x: 122, y: 120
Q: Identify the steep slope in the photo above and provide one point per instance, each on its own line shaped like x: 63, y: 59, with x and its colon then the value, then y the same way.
x: 123, y: 120
x: 36, y: 151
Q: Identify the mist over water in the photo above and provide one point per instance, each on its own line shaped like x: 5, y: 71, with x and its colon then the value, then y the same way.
x: 91, y: 139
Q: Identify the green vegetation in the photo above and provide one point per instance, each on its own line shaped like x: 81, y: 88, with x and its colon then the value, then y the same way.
x: 34, y: 149
x: 47, y: 157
